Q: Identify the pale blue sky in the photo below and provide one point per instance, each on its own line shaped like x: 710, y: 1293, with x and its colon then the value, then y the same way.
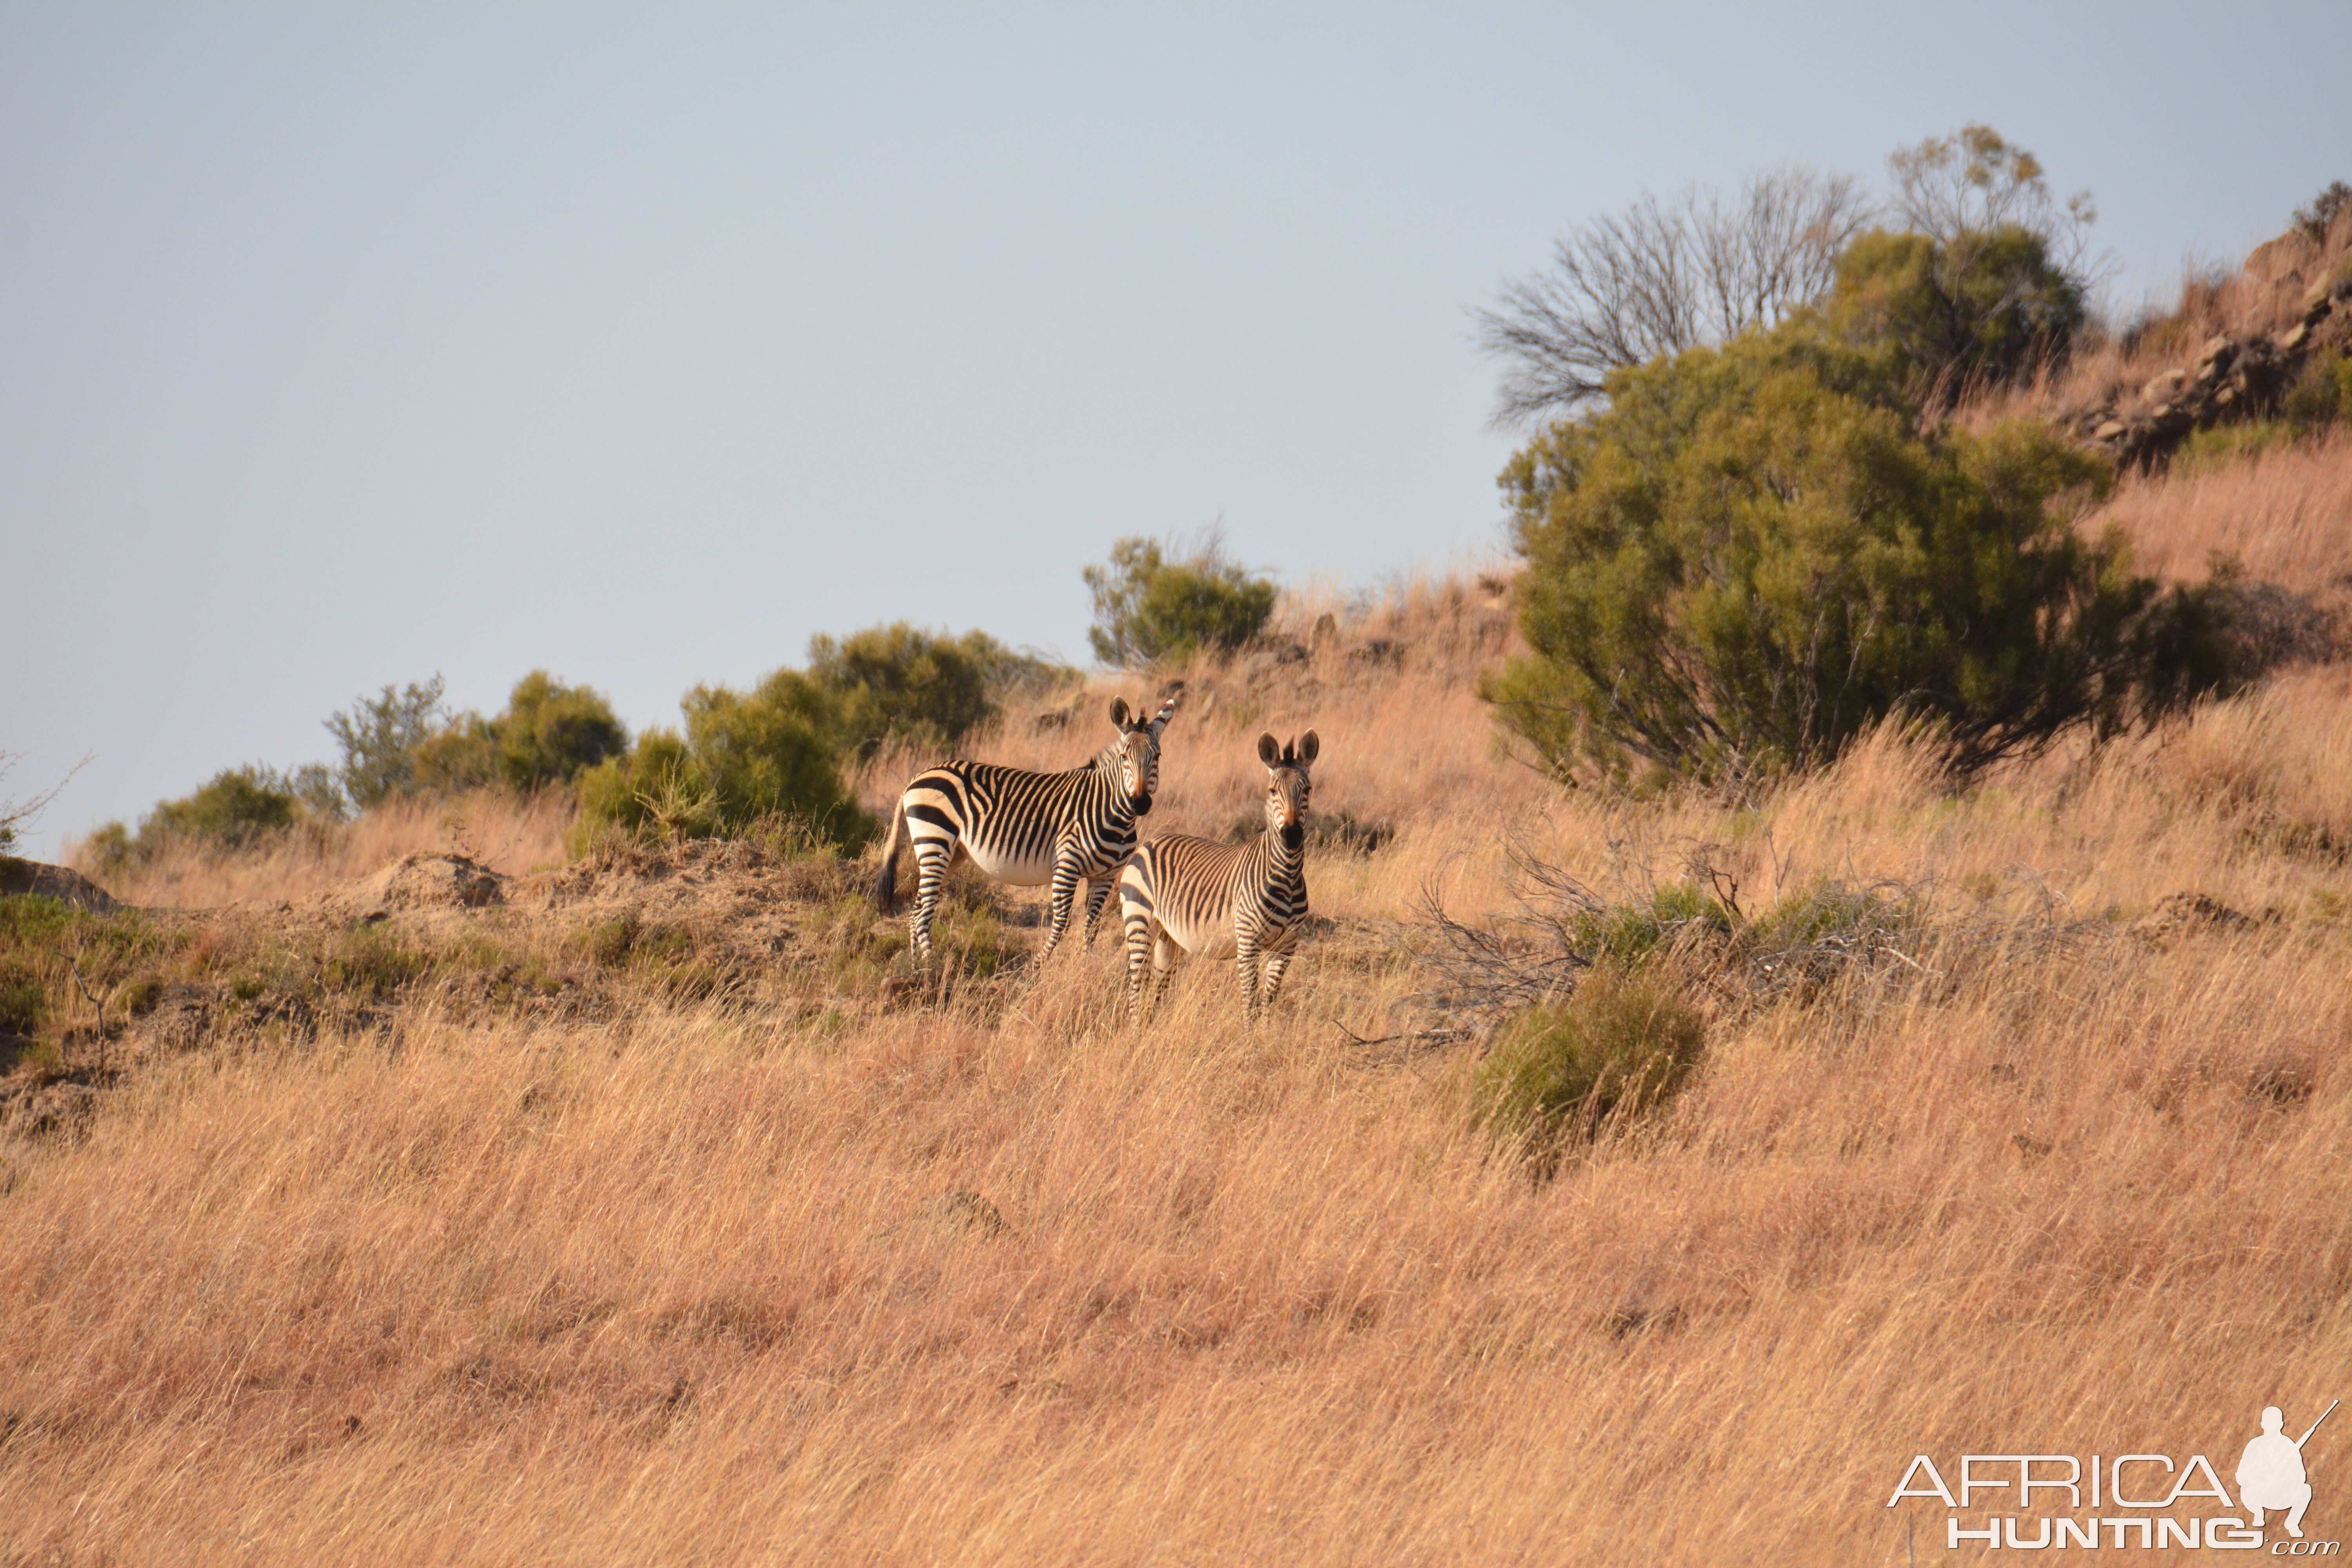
x: 339, y: 344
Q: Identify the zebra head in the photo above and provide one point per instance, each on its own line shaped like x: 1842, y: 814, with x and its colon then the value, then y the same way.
x: 1136, y: 753
x: 1287, y: 786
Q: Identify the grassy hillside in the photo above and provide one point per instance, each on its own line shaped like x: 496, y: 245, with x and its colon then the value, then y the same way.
x: 427, y: 1199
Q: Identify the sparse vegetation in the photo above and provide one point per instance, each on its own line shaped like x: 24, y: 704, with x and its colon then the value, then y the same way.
x: 650, y: 1207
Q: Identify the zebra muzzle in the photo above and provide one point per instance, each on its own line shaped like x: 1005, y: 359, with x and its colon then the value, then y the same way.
x: 1292, y: 835
x: 1139, y: 803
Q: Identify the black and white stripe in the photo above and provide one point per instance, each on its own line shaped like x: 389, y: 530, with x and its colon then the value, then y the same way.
x: 1208, y: 899
x: 1028, y: 828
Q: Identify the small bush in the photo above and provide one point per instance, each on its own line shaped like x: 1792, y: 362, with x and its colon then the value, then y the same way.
x: 748, y: 762
x: 548, y: 735
x: 2314, y: 220
x: 1620, y: 1047
x: 1628, y: 934
x: 550, y: 732
x: 2322, y: 396
x: 372, y: 963
x: 2222, y: 445
x: 922, y: 688
x: 1149, y: 608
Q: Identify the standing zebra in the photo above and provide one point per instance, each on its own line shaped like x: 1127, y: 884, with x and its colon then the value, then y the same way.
x: 1213, y: 899
x: 1026, y: 828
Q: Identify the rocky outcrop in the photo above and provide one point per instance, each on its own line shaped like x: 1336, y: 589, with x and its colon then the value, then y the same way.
x: 2233, y: 377
x: 57, y: 882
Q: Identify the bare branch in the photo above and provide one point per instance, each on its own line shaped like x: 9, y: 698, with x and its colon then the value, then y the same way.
x: 1664, y: 277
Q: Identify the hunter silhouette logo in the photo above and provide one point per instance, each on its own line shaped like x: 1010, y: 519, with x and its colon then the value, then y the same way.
x: 2125, y: 1500
x: 2271, y: 1473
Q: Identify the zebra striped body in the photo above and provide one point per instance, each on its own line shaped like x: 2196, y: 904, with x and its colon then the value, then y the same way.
x: 1027, y: 828
x: 1210, y: 900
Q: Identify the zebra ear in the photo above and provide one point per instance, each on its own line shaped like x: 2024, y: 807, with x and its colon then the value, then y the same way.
x: 1119, y: 714
x: 1267, y: 751
x: 1307, y: 746
x: 1166, y: 707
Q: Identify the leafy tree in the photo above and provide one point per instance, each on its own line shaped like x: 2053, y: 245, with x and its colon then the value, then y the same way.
x: 550, y: 732
x: 1663, y: 277
x: 1751, y: 558
x: 900, y: 682
x: 380, y: 737
x: 1150, y: 610
x: 745, y: 757
x: 1992, y: 308
x: 1985, y: 279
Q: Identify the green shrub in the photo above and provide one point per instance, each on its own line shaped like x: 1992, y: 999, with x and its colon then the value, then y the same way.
x: 1977, y: 287
x: 237, y: 809
x: 551, y: 733
x: 23, y: 1000
x: 2222, y: 445
x: 746, y: 760
x: 548, y: 735
x: 110, y: 851
x: 1751, y: 558
x: 1628, y: 934
x: 1620, y: 1047
x: 1980, y: 307
x: 372, y: 963
x: 922, y: 688
x: 1149, y: 608
x: 2322, y: 396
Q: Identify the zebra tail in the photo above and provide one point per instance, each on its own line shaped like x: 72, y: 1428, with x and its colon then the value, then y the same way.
x: 886, y: 886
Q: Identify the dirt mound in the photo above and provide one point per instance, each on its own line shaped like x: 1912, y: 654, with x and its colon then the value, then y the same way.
x: 424, y: 882
x: 55, y: 882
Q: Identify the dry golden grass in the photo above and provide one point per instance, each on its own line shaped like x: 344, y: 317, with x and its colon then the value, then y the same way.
x: 509, y: 834
x: 2284, y: 515
x: 694, y: 1284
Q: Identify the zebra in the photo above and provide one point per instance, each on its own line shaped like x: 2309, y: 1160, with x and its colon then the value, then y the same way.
x: 1249, y: 900
x: 1026, y: 828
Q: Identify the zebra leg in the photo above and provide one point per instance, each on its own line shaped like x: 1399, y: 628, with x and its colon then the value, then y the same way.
x: 1276, y: 963
x: 1163, y: 966
x: 1097, y: 895
x: 1066, y: 893
x: 932, y: 859
x: 1245, y: 962
x: 1140, y: 928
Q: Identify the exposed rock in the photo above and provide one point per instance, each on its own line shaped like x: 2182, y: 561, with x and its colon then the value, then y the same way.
x: 2233, y: 378
x: 57, y: 882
